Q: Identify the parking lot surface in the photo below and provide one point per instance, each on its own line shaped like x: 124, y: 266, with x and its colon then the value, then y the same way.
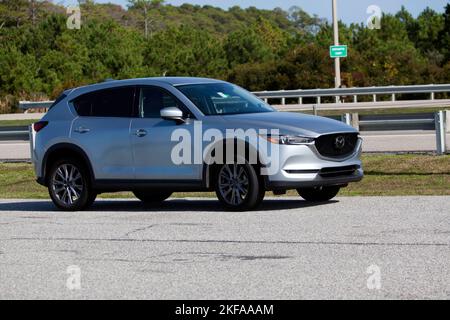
x: 355, y: 248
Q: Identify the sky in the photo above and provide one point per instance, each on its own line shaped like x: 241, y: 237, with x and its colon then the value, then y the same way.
x: 348, y: 10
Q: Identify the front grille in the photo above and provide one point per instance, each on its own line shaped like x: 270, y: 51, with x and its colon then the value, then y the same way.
x: 338, y: 171
x: 337, y: 145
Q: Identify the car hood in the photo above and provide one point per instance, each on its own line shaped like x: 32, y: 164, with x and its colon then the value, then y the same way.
x: 288, y: 123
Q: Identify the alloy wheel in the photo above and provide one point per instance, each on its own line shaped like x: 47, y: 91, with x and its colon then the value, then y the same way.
x: 67, y: 184
x: 233, y: 184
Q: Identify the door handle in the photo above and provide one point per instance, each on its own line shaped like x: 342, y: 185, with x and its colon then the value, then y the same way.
x: 82, y: 130
x: 140, y: 133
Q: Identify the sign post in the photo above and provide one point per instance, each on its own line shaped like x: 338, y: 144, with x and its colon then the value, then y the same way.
x: 337, y: 62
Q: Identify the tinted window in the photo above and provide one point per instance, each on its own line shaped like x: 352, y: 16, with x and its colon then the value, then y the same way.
x: 116, y: 102
x: 83, y: 105
x: 153, y: 99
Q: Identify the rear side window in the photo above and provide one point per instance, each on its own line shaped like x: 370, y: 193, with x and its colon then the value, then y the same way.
x: 83, y: 105
x: 117, y: 102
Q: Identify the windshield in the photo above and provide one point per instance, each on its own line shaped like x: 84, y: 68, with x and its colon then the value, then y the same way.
x: 223, y: 99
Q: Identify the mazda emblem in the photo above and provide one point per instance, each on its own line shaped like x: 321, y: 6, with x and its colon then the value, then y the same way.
x: 339, y: 142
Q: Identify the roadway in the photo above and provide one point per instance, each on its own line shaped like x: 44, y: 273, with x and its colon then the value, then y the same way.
x: 352, y: 248
x: 14, y: 150
x: 400, y: 141
x: 21, y: 116
x: 376, y: 141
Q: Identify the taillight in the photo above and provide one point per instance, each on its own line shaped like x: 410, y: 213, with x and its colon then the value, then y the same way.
x: 38, y: 126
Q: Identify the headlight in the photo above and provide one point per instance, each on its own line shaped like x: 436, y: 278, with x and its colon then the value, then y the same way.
x: 288, y: 140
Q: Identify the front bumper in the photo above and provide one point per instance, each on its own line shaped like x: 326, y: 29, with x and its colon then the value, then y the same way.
x: 302, y: 166
x: 41, y: 181
x: 316, y: 181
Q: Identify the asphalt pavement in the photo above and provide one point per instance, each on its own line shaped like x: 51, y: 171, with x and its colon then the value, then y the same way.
x: 355, y: 248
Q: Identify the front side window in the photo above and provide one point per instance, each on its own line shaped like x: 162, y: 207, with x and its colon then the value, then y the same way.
x: 116, y: 102
x: 223, y: 99
x: 154, y: 99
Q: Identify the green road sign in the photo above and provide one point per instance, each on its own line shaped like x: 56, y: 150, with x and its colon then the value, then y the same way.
x: 338, y: 51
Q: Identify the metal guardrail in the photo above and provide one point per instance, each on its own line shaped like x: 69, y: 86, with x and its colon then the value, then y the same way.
x: 27, y: 105
x: 379, y: 105
x: 14, y: 133
x: 439, y: 122
x: 353, y: 92
x: 425, y: 121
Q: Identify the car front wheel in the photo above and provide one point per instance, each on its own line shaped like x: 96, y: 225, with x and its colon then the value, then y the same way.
x: 318, y: 194
x: 238, y: 187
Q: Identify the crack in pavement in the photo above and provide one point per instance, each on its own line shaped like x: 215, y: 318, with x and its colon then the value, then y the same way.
x: 238, y: 242
x: 158, y: 224
x: 139, y: 230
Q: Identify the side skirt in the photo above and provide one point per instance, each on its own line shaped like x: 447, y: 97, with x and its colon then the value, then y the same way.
x: 112, y: 185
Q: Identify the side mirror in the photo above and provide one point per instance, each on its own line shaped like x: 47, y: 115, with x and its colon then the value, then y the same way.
x: 173, y: 114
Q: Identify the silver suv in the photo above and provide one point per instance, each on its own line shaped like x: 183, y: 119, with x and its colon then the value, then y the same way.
x: 131, y: 135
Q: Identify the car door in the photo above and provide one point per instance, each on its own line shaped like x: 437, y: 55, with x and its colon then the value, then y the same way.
x: 102, y: 130
x: 151, y: 139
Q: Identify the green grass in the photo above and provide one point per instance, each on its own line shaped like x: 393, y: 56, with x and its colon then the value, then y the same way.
x: 16, y: 123
x: 398, y: 175
x: 386, y: 175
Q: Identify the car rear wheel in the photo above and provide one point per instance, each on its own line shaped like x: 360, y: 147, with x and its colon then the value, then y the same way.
x: 238, y: 187
x: 152, y: 196
x: 318, y: 194
x: 69, y: 185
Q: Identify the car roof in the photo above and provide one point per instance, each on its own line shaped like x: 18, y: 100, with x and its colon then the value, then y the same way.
x: 177, y: 81
x: 173, y: 81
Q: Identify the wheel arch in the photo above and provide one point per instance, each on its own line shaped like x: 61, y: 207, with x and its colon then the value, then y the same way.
x: 208, y: 171
x: 65, y: 150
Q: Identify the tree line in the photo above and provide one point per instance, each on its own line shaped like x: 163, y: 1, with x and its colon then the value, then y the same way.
x: 257, y: 49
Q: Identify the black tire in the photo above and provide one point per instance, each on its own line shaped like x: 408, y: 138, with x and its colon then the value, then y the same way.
x: 152, y: 196
x: 78, y: 191
x: 261, y: 196
x: 318, y: 194
x: 253, y: 192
